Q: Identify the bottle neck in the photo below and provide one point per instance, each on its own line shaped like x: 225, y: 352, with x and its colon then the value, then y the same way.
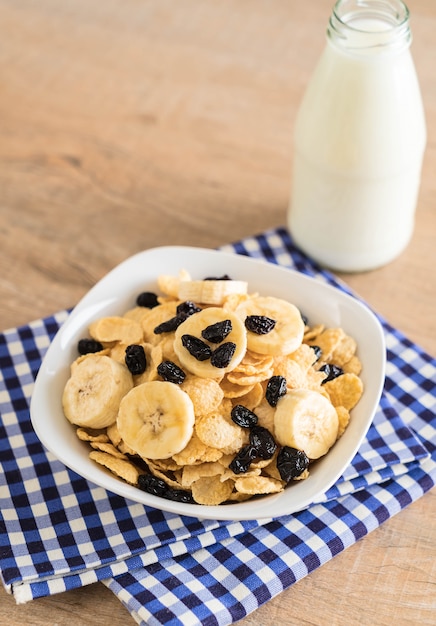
x: 370, y: 27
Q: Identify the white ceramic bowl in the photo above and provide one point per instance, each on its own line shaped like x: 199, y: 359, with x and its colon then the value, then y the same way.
x: 117, y: 292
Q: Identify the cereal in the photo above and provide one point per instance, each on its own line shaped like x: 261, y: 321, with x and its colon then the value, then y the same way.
x: 156, y: 316
x: 197, y: 452
x: 124, y: 469
x: 344, y: 351
x: 211, y: 491
x: 217, y: 431
x: 109, y: 448
x: 328, y: 340
x: 344, y: 419
x: 109, y: 329
x: 255, y: 485
x: 353, y: 366
x: 205, y: 393
x: 191, y: 473
x: 346, y: 390
x: 92, y: 435
x: 220, y: 460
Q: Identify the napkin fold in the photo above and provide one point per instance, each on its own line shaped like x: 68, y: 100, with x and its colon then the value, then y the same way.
x: 58, y: 531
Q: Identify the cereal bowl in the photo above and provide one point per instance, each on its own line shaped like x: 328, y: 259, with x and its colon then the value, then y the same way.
x: 116, y: 293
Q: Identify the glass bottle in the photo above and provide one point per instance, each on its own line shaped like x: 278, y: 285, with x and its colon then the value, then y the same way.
x: 359, y: 141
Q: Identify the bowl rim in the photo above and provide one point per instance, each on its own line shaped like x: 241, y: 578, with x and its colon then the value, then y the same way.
x: 100, y: 299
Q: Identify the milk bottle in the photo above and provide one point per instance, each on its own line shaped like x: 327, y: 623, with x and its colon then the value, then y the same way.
x: 359, y: 141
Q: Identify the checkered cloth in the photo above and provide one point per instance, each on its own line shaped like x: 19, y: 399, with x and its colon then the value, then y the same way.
x: 59, y: 532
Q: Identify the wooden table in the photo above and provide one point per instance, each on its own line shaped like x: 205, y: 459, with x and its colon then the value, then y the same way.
x: 131, y: 124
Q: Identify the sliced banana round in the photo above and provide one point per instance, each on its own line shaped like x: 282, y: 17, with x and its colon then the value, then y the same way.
x: 306, y: 420
x: 288, y: 331
x: 156, y: 419
x: 93, y: 392
x: 194, y: 326
x: 210, y: 291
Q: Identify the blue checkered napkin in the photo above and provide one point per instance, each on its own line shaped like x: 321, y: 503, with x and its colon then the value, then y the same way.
x: 60, y: 532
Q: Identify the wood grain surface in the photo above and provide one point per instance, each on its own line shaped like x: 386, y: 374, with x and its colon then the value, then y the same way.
x: 129, y: 124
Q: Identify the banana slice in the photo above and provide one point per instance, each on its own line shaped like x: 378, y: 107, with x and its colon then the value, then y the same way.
x: 306, y: 420
x: 169, y: 285
x: 156, y: 419
x: 210, y: 291
x: 194, y: 326
x: 94, y: 391
x: 287, y: 334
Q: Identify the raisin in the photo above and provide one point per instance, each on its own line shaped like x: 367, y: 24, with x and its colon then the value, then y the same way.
x: 216, y: 333
x: 243, y: 417
x: 332, y: 371
x: 304, y: 318
x: 147, y: 299
x: 169, y: 325
x: 197, y: 348
x: 88, y: 346
x: 152, y: 484
x: 179, y: 495
x: 262, y: 441
x: 224, y: 277
x: 259, y: 324
x: 222, y: 356
x: 171, y: 372
x: 183, y: 311
x: 187, y: 308
x: 318, y: 352
x: 291, y: 463
x: 275, y: 389
x: 135, y: 359
x: 158, y: 487
x: 243, y: 459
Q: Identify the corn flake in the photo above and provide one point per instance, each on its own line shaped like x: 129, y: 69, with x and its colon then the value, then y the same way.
x: 210, y: 491
x: 345, y: 390
x: 217, y: 431
x: 256, y: 485
x: 343, y: 418
x: 120, y: 467
x: 196, y: 452
x: 110, y: 329
x: 206, y: 394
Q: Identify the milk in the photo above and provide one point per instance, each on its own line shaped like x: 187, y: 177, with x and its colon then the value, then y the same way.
x: 359, y: 141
